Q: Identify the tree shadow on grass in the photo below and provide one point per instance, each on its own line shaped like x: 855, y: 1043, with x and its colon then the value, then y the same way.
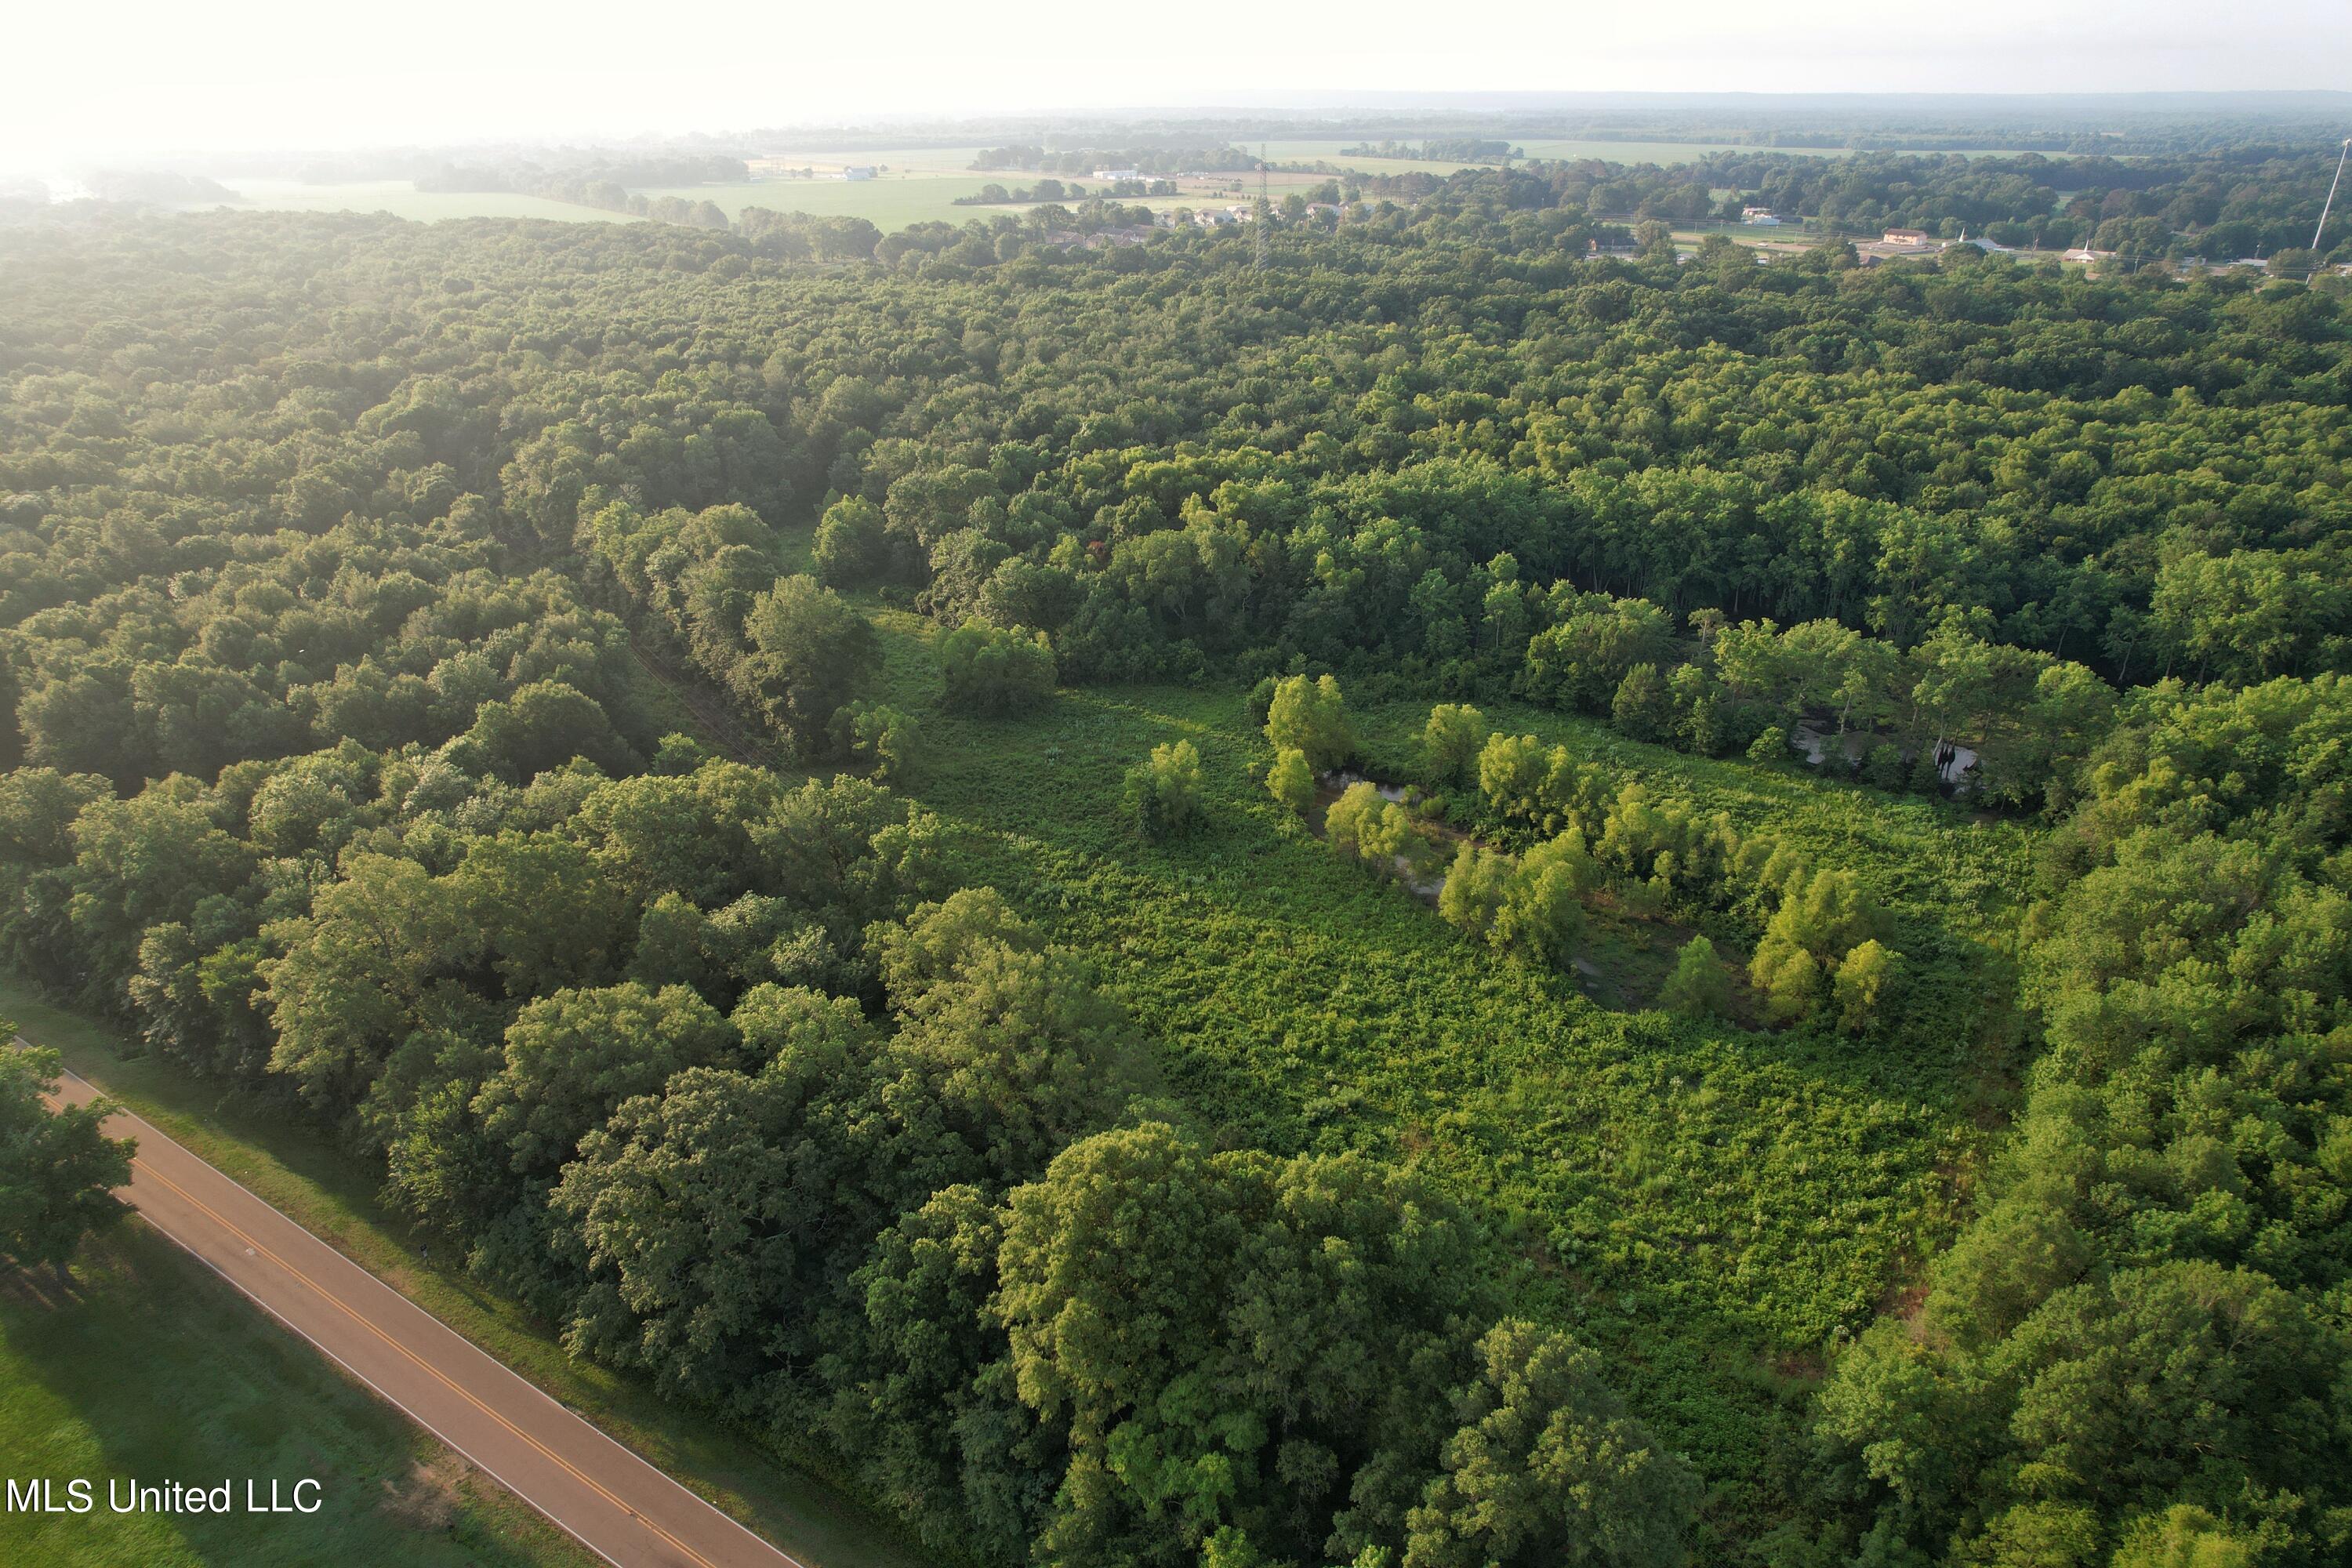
x: 147, y: 1368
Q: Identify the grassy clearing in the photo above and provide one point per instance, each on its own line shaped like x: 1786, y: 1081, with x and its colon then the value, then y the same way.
x: 402, y: 199
x: 1712, y: 1205
x: 148, y: 1367
x: 891, y: 202
x: 277, y: 1155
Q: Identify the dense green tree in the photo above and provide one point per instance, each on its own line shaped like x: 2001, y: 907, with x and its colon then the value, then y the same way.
x: 1549, y: 1468
x: 1161, y: 795
x: 1859, y: 986
x: 1473, y: 891
x: 1700, y: 986
x: 881, y: 737
x: 993, y: 670
x: 1642, y: 706
x: 1291, y: 780
x: 57, y: 1166
x: 809, y: 654
x: 545, y: 725
x: 1542, y: 913
x: 574, y: 1056
x: 1451, y: 742
x: 1311, y: 716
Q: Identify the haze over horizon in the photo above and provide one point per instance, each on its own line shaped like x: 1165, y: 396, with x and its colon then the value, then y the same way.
x: 272, y: 75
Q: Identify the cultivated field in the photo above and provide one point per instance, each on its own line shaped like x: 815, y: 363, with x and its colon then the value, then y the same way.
x: 402, y: 199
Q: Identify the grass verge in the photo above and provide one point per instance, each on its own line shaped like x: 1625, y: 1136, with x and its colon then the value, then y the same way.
x: 143, y: 1366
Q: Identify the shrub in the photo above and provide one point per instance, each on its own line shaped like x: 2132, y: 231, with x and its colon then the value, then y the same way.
x: 1700, y: 986
x: 1451, y: 742
x: 993, y: 670
x: 1163, y: 796
x: 1291, y: 781
x: 1311, y: 717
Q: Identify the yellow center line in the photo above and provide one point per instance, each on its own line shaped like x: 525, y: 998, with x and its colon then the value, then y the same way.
x: 427, y: 1367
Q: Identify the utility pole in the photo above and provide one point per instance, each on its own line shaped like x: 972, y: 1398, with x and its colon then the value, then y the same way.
x: 2330, y: 201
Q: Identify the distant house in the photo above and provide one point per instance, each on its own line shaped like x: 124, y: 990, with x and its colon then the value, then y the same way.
x: 2085, y: 253
x: 858, y: 172
x: 1897, y: 244
x: 1210, y: 218
x: 1117, y: 174
x: 1762, y: 217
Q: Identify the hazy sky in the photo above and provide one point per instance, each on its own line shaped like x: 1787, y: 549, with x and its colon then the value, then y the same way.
x: 104, y: 81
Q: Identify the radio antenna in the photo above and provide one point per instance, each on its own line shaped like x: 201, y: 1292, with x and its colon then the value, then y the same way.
x: 2330, y: 201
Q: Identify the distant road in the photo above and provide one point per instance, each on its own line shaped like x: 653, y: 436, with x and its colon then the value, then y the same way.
x: 616, y: 1504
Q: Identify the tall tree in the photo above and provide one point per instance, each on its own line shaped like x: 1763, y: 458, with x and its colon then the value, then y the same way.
x: 57, y: 1166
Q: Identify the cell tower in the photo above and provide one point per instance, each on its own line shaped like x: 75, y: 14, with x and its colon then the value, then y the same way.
x: 1264, y: 215
x: 2329, y: 204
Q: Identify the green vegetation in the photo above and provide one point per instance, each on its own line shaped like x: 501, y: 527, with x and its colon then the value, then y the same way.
x: 1553, y: 1133
x: 1163, y: 791
x: 402, y: 199
x: 57, y: 1167
x: 991, y: 671
x: 336, y: 1194
x: 96, y: 1381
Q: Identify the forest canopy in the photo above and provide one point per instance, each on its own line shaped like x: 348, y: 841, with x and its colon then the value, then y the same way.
x: 354, y: 577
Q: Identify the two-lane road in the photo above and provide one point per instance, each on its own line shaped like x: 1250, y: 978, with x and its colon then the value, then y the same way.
x: 619, y: 1506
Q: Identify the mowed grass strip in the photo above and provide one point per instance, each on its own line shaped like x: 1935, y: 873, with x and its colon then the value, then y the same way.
x: 144, y: 1367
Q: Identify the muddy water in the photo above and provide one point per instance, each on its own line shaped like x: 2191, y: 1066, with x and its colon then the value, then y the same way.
x: 1330, y: 786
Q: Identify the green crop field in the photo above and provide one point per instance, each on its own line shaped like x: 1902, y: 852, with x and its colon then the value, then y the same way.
x: 146, y: 1366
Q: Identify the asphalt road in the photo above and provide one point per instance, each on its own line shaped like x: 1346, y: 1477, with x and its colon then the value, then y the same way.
x: 616, y: 1504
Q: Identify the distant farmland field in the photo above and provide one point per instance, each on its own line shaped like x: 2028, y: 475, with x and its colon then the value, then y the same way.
x: 891, y: 202
x: 1614, y: 151
x: 919, y: 185
x: 401, y: 199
